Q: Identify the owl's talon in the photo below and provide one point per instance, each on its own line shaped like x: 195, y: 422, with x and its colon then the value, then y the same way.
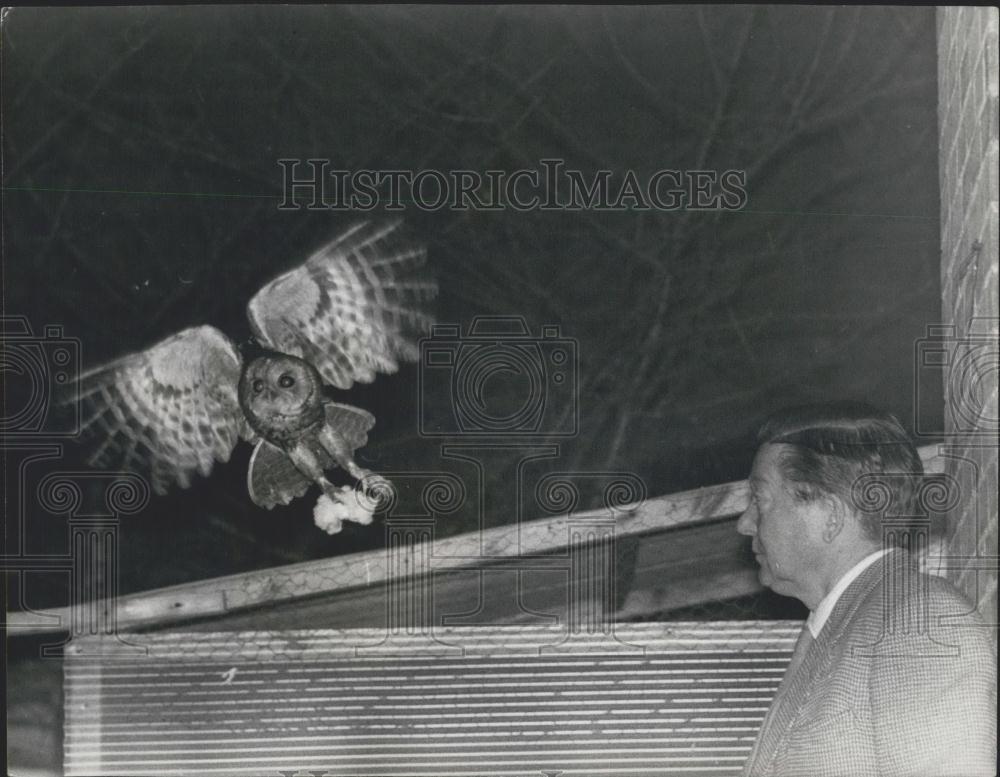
x: 378, y: 487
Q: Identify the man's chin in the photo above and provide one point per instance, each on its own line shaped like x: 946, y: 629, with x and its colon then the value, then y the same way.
x: 778, y: 586
x: 764, y: 576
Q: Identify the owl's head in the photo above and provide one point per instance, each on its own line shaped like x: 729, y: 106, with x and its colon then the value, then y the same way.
x: 281, y: 394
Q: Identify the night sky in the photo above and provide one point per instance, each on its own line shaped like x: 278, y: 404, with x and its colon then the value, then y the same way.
x: 142, y: 186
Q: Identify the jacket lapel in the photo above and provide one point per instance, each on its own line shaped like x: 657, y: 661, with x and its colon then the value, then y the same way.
x: 795, y: 689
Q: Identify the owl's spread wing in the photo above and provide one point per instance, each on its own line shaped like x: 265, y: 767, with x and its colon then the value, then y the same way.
x: 168, y: 411
x: 354, y: 308
x: 272, y: 479
x: 351, y: 423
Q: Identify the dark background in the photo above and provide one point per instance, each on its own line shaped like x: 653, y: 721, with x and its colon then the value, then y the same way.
x: 141, y: 190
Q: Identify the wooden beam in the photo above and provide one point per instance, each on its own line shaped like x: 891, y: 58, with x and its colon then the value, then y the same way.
x: 341, y: 574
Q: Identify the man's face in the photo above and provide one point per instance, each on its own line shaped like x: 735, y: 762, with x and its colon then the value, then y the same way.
x: 786, y: 532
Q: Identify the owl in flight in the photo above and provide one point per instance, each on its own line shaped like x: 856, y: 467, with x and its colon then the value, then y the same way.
x: 353, y: 309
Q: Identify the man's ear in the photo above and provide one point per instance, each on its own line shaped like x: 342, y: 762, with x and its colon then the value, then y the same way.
x: 834, y: 518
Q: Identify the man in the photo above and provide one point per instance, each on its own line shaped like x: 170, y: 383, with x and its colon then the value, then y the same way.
x: 894, y: 673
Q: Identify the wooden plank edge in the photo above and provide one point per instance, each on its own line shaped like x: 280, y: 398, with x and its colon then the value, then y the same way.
x: 223, y: 595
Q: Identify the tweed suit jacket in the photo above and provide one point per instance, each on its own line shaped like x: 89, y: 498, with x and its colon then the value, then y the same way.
x: 900, y: 682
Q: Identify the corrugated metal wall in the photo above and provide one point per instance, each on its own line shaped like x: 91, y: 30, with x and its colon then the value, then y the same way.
x: 678, y: 698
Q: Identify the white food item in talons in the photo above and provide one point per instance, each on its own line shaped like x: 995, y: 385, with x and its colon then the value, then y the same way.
x: 329, y: 514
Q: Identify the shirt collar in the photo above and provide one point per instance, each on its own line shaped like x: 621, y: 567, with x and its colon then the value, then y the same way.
x: 818, y: 617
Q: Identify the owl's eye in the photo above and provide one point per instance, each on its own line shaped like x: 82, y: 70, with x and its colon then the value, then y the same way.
x: 286, y: 381
x: 258, y: 386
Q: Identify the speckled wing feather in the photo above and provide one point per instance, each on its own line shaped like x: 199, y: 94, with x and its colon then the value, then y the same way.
x: 272, y: 479
x: 353, y: 309
x: 168, y: 411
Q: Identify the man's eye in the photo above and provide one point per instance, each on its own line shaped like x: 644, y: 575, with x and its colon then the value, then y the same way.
x: 286, y: 381
x: 258, y: 386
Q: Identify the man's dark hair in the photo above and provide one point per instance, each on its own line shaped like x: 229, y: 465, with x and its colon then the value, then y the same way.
x: 851, y: 450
